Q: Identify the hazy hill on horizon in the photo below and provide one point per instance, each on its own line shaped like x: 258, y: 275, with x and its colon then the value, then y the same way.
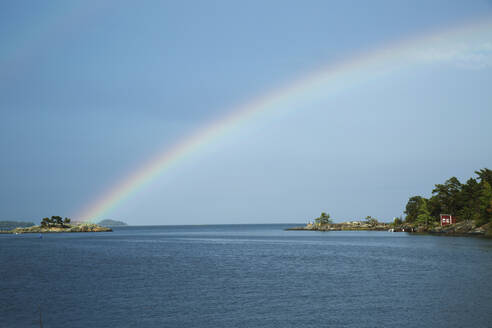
x: 111, y: 223
x: 12, y: 224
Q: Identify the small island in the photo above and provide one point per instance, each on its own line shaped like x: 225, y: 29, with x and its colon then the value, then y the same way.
x: 112, y: 223
x: 325, y: 223
x: 58, y: 224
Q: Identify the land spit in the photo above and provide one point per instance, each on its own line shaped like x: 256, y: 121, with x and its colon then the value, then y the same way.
x: 463, y: 228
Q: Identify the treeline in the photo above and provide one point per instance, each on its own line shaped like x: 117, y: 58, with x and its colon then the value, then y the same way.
x: 469, y: 201
x: 55, y: 221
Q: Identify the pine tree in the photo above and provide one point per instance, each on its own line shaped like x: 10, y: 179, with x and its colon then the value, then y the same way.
x: 485, y: 204
x: 424, y: 216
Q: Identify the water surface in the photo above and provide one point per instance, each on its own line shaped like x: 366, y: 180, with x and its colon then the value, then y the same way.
x: 244, y: 276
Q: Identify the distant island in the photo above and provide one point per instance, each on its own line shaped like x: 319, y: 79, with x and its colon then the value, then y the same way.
x: 325, y: 223
x: 9, y: 225
x: 453, y: 209
x: 58, y: 224
x: 112, y: 223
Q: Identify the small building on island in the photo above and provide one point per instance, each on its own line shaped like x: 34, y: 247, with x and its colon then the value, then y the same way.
x: 447, y: 219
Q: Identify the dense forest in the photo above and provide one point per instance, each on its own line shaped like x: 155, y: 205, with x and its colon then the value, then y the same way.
x: 55, y: 221
x: 469, y: 201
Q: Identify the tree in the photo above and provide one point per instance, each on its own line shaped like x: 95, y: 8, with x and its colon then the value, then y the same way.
x: 469, y: 201
x: 371, y: 221
x: 423, y: 216
x: 470, y: 197
x: 323, y: 219
x: 46, y: 222
x: 448, y: 195
x: 485, y: 175
x: 397, y: 221
x: 434, y: 207
x: 57, y: 220
x: 412, y: 208
x: 54, y: 221
x: 485, y: 204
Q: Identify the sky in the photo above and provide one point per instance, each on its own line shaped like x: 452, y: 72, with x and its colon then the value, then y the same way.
x: 92, y: 90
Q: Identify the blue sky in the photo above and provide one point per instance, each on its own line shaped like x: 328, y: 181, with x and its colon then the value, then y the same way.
x: 90, y: 90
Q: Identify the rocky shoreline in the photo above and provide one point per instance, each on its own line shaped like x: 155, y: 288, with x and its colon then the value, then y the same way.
x: 345, y: 226
x: 464, y: 228
x: 86, y: 227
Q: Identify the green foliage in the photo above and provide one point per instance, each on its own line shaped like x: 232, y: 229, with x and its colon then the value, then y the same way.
x: 434, y: 207
x: 55, y: 221
x: 449, y: 195
x: 397, y: 221
x: 323, y: 219
x: 58, y: 220
x: 412, y: 208
x: 423, y: 216
x: 485, y: 175
x: 485, y: 203
x: 46, y: 222
x: 470, y: 209
x: 371, y: 221
x: 469, y: 201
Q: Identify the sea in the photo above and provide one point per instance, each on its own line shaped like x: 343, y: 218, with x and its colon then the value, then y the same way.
x: 244, y: 276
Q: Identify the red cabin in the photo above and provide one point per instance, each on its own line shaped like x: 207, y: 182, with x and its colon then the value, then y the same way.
x: 447, y: 219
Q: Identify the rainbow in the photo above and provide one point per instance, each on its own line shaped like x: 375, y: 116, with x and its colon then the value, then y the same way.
x: 336, y: 75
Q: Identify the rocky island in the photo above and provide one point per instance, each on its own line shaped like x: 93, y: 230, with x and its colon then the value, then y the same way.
x: 57, y: 224
x: 343, y: 226
x: 324, y: 223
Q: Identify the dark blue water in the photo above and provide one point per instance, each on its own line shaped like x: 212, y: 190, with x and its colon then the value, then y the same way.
x: 244, y: 276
